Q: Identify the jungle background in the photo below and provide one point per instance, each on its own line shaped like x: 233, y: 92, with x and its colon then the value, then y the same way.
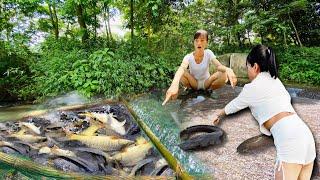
x: 50, y: 47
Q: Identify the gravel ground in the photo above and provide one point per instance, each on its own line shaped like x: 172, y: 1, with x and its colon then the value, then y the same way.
x: 225, y: 162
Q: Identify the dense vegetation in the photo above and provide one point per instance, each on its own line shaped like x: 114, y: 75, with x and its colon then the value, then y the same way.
x: 76, y: 55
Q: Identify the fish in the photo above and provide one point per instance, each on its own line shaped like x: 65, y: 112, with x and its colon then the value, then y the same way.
x: 55, y: 126
x: 109, y: 120
x: 91, y: 130
x: 27, y: 137
x: 98, y: 152
x: 31, y: 127
x: 105, y: 143
x: 11, y: 148
x: 255, y: 144
x: 69, y: 164
x: 140, y: 164
x: 116, y: 125
x: 201, y: 136
x: 55, y: 150
x: 159, y: 170
x: 133, y: 154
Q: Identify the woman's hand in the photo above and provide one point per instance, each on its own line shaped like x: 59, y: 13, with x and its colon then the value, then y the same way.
x: 215, y: 120
x: 231, y: 77
x: 216, y: 116
x: 172, y: 93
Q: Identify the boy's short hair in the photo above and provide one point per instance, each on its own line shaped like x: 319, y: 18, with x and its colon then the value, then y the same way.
x: 199, y: 33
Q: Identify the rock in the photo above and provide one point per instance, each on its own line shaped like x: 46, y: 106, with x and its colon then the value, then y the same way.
x: 238, y: 64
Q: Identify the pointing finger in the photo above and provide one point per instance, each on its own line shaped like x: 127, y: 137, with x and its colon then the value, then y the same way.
x: 166, y: 100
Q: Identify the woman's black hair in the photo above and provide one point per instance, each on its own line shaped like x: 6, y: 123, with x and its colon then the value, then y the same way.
x: 199, y: 33
x: 264, y: 56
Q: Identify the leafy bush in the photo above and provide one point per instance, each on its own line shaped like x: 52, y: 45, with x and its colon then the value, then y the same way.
x: 299, y: 65
x: 14, y: 69
x: 62, y: 68
x: 127, y: 67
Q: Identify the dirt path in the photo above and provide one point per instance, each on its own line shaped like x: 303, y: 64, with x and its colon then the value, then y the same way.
x: 224, y: 161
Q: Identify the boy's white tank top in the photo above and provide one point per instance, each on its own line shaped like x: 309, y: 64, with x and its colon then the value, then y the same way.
x: 200, y: 71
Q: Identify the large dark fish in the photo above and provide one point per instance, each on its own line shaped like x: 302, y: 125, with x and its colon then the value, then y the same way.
x: 67, y: 165
x: 255, y: 144
x: 211, y: 135
x: 140, y: 164
x: 11, y: 148
x: 94, y: 151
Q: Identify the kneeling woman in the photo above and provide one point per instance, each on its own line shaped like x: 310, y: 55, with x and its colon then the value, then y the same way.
x: 270, y: 104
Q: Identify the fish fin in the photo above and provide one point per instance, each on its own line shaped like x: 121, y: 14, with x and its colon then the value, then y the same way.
x: 114, y: 137
x: 67, y: 131
x: 30, y: 126
x: 141, y: 140
x: 112, y: 117
x: 21, y: 132
x: 122, y: 123
x: 87, y: 115
x: 91, y: 130
x: 55, y: 147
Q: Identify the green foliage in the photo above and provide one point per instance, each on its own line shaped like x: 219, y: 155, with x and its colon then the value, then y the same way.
x: 62, y: 68
x: 300, y: 65
x: 14, y: 70
x: 103, y: 64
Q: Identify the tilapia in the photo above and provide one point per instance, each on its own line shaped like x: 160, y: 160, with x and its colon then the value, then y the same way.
x: 106, y: 143
x: 109, y: 120
x: 133, y: 154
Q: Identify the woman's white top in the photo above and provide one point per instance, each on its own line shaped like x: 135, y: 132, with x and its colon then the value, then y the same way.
x: 200, y: 71
x: 265, y: 96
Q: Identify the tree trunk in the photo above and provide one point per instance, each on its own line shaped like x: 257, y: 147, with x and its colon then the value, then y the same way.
x: 56, y: 30
x: 149, y: 28
x: 82, y: 22
x: 105, y: 23
x: 285, y: 38
x: 131, y: 18
x: 295, y: 30
x: 109, y: 27
x: 54, y: 19
x: 239, y: 39
x: 95, y: 27
x: 261, y: 34
x: 249, y: 38
x: 228, y: 38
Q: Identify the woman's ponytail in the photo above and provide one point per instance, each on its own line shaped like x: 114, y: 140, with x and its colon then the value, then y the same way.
x: 272, y: 66
x: 264, y: 56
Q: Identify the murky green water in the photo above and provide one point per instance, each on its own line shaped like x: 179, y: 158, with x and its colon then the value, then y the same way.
x: 17, y: 112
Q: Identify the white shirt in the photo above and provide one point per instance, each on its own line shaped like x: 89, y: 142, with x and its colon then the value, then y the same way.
x: 200, y: 71
x: 265, y: 96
